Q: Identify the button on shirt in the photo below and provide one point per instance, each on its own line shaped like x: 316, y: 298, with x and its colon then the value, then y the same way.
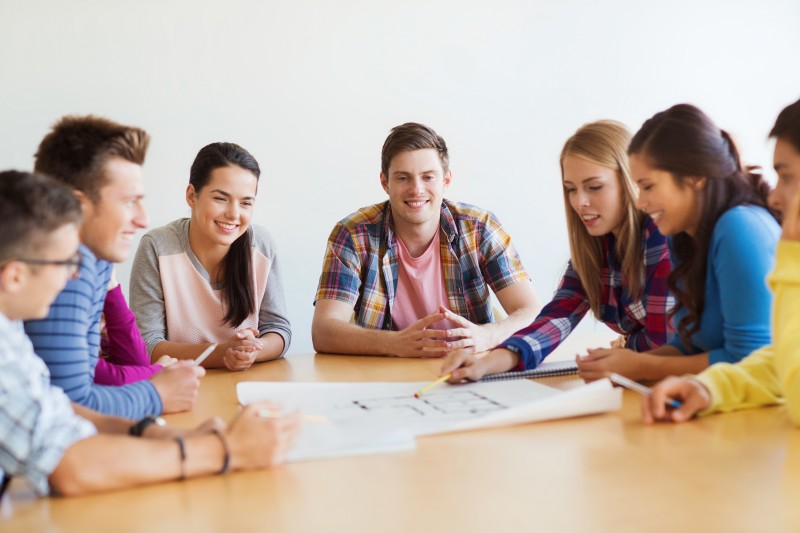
x: 360, y: 265
x: 37, y: 423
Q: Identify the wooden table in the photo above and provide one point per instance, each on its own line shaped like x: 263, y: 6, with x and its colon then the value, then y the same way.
x: 734, y: 472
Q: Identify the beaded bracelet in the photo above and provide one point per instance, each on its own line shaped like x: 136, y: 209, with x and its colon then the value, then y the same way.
x: 182, y: 448
x: 226, y: 463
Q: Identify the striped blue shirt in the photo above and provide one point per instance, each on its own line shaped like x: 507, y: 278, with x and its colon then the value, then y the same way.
x: 68, y: 341
x: 37, y: 423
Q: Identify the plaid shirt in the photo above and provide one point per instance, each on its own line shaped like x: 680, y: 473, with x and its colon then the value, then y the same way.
x: 37, y: 423
x: 645, y: 321
x: 360, y: 266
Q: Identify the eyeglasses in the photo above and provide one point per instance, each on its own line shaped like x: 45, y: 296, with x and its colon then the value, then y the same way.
x: 73, y: 264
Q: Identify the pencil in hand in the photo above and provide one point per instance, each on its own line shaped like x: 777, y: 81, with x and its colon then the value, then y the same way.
x: 429, y: 386
x: 203, y: 356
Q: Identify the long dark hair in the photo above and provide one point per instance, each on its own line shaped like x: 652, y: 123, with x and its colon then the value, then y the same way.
x: 685, y: 142
x: 238, y: 293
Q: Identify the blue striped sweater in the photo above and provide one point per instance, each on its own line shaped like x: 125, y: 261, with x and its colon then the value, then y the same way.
x: 68, y: 341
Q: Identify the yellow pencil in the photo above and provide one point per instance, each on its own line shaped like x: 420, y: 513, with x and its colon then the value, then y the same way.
x: 432, y: 385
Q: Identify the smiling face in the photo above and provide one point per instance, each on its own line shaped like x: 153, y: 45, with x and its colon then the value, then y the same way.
x: 110, y: 223
x: 674, y: 208
x: 787, y: 165
x: 223, y: 208
x: 595, y: 194
x: 416, y: 184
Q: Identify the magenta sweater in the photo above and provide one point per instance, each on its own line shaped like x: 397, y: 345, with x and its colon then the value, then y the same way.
x: 128, y: 360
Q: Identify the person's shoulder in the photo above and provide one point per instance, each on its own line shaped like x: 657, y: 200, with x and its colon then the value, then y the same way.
x: 747, y: 220
x: 12, y: 334
x: 745, y: 231
x: 175, y: 228
x: 366, y: 216
x: 167, y: 239
x: 262, y: 239
x: 464, y: 212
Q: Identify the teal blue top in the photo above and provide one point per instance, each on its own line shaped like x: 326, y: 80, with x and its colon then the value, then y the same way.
x: 736, y: 314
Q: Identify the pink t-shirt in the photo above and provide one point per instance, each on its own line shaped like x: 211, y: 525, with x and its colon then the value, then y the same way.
x: 420, y: 286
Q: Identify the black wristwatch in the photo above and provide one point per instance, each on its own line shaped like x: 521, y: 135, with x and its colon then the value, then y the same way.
x: 138, y: 428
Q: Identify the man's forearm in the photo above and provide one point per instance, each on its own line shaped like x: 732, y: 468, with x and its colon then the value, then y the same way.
x: 93, y: 465
x: 336, y: 337
x: 103, y: 423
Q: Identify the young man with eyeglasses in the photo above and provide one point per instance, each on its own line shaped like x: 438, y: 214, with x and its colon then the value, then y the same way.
x: 73, y: 264
x: 69, y: 449
x: 102, y: 162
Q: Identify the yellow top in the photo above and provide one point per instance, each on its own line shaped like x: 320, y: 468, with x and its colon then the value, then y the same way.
x: 770, y: 375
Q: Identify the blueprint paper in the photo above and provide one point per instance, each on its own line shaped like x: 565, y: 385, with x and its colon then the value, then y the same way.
x: 377, y: 417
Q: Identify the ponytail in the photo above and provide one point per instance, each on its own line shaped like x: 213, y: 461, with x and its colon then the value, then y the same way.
x: 237, y: 277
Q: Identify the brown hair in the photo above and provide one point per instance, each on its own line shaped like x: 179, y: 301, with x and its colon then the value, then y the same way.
x: 412, y: 136
x: 238, y: 294
x: 787, y: 125
x: 78, y: 147
x: 686, y: 143
x: 605, y: 143
x: 33, y: 207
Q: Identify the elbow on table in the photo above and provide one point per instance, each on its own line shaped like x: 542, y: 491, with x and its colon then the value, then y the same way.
x: 320, y: 336
x: 72, y: 479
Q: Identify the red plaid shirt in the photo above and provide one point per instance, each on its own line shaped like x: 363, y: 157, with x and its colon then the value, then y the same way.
x: 644, y: 321
x: 360, y: 266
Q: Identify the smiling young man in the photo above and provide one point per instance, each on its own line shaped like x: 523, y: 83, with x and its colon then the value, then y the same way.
x: 417, y: 270
x: 102, y: 162
x: 68, y: 449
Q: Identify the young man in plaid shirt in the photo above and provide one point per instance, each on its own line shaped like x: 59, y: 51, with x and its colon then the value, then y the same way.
x: 417, y: 270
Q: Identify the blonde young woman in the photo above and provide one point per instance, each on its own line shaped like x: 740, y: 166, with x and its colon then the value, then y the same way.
x: 619, y: 265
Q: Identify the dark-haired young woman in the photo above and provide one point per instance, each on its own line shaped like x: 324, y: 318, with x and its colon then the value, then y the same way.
x: 213, y: 278
x: 722, y: 243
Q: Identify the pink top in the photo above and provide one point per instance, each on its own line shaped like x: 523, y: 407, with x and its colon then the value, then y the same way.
x: 124, y: 358
x: 194, y: 307
x: 420, y: 286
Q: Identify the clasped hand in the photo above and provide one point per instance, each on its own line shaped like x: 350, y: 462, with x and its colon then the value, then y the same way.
x: 417, y: 340
x: 241, y: 350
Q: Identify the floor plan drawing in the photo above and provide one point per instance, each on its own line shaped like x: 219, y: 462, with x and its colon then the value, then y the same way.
x: 375, y: 417
x: 450, y: 403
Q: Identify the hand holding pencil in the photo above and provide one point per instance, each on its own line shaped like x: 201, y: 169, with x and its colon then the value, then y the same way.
x: 465, y: 365
x: 691, y: 394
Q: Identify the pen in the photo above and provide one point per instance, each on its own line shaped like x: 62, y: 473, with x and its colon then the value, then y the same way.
x: 641, y: 389
x: 432, y: 385
x: 202, y: 357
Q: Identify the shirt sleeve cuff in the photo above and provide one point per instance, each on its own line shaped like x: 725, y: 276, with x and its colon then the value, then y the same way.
x: 706, y: 380
x: 528, y: 359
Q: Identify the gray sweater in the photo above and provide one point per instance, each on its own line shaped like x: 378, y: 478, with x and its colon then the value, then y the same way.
x: 174, y: 299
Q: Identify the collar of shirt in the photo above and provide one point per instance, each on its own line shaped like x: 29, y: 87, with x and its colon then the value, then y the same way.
x: 446, y: 222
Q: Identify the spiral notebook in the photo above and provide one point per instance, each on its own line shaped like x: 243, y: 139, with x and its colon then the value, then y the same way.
x: 544, y: 370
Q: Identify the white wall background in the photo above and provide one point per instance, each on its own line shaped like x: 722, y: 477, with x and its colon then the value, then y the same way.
x: 312, y: 88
